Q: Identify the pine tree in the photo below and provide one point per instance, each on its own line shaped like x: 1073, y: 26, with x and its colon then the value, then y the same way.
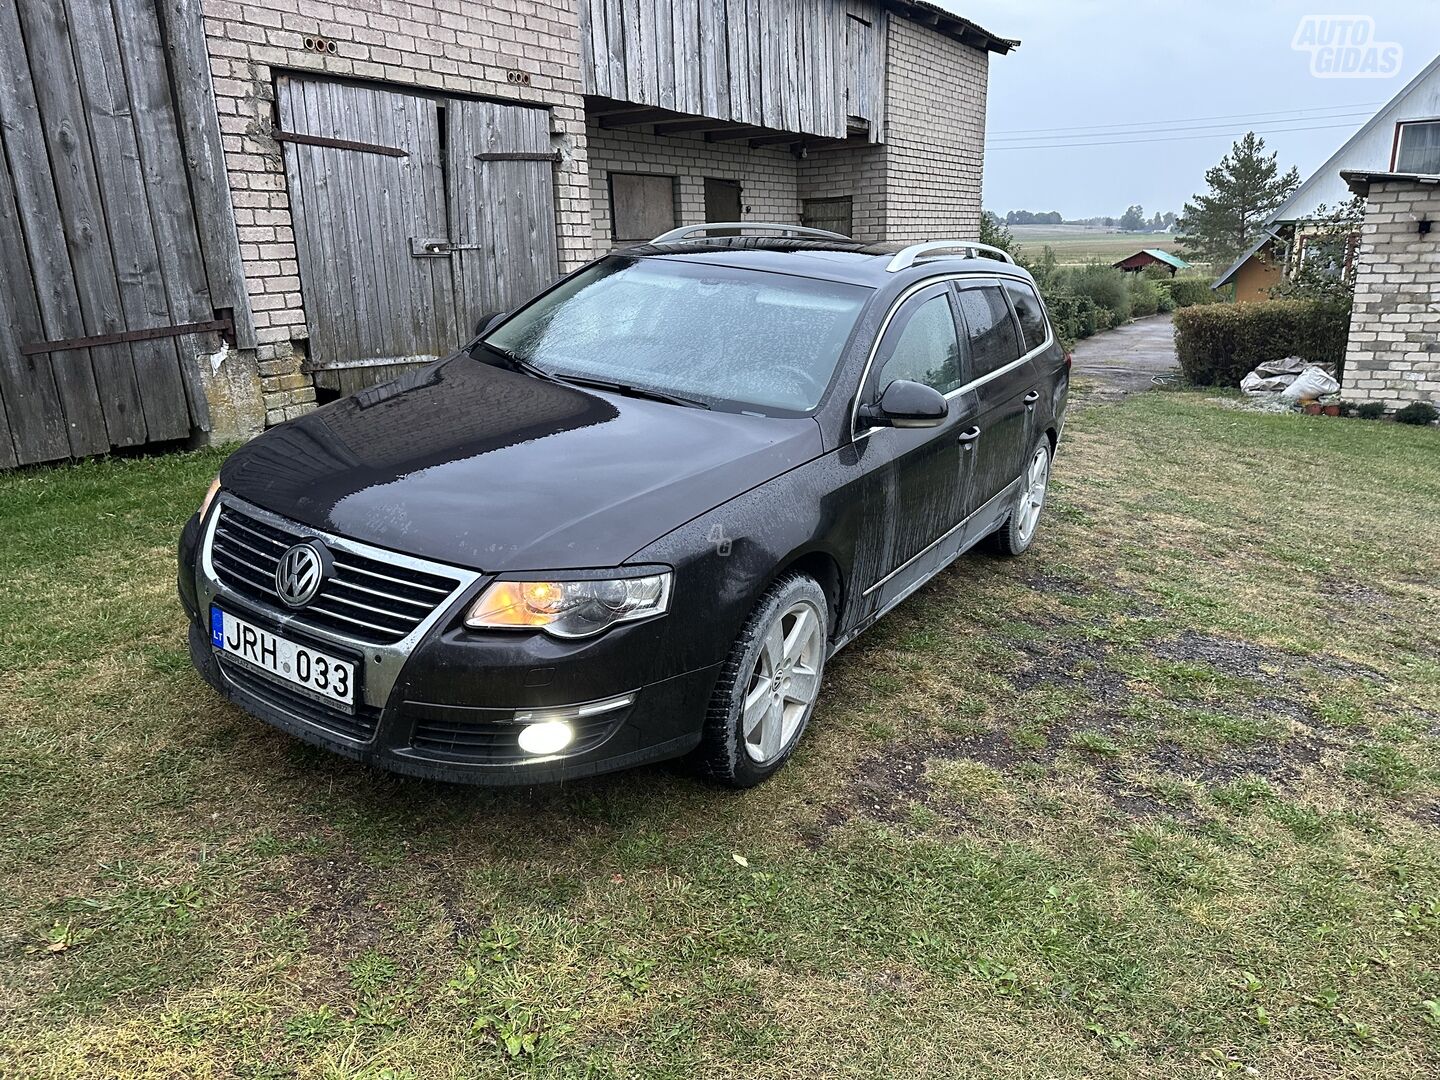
x: 1245, y: 189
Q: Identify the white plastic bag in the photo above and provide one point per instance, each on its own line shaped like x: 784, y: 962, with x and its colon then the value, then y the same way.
x: 1310, y: 384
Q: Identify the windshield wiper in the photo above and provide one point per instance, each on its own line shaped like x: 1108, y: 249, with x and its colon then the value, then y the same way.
x: 517, y: 363
x: 628, y: 389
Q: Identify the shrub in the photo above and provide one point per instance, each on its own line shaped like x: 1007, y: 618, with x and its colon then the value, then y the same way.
x: 1075, y: 317
x: 1190, y: 291
x: 1104, y: 285
x: 1417, y: 412
x: 1144, y: 296
x: 1370, y: 410
x: 1218, y: 344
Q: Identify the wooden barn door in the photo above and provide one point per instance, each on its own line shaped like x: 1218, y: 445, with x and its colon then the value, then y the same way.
x: 105, y: 301
x: 414, y: 215
x: 502, y: 200
x: 365, y: 174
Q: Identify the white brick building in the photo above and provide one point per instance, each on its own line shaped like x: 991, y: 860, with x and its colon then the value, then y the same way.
x: 363, y: 179
x: 1393, y: 353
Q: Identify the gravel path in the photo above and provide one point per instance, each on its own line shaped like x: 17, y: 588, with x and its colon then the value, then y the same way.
x: 1124, y: 360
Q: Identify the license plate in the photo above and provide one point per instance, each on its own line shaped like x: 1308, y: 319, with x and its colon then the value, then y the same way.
x: 316, y: 674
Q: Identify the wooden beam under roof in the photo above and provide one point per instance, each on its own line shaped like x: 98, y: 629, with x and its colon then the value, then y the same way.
x: 743, y: 131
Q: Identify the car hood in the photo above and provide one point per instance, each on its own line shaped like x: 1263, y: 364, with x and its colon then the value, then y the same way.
x: 494, y: 470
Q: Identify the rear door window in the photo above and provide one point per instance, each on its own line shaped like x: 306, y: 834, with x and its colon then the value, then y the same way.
x: 1031, y: 314
x: 990, y: 328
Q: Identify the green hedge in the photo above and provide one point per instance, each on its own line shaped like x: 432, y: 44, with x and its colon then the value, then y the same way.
x: 1144, y: 297
x: 1219, y: 344
x: 1188, y: 292
x: 1075, y: 317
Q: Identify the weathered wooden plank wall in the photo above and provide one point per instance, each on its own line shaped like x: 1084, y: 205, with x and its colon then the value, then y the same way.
x: 182, y: 35
x: 100, y: 231
x: 792, y: 65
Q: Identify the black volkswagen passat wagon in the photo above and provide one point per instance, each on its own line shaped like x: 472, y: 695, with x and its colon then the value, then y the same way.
x: 634, y: 518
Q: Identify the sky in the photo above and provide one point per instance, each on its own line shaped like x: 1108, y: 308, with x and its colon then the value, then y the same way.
x: 1195, y: 73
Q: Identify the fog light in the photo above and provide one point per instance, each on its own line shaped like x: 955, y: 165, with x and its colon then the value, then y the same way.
x: 546, y: 737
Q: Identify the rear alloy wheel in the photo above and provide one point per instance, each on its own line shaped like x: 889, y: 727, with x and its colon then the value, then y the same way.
x: 768, y: 686
x: 1018, y: 532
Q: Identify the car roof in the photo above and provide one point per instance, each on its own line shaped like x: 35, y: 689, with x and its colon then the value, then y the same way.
x: 848, y: 261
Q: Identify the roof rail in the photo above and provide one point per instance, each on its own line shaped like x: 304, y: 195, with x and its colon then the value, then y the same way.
x: 909, y: 256
x: 686, y: 232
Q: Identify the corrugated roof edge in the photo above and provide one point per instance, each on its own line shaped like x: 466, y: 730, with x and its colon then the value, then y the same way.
x: 951, y: 25
x: 1359, y: 180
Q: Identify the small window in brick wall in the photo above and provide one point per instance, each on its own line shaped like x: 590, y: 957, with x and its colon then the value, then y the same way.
x: 642, y: 206
x: 835, y: 214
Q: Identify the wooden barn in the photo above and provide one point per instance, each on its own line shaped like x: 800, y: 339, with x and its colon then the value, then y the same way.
x: 1147, y: 257
x: 214, y: 213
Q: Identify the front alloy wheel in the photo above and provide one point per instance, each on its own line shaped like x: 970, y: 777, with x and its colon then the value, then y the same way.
x: 768, y: 686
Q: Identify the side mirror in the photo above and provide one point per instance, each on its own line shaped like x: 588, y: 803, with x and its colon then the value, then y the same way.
x: 906, y: 404
x: 488, y: 320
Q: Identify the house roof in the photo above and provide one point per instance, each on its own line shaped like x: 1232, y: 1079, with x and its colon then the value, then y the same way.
x: 1159, y: 256
x: 1167, y: 258
x: 1357, y: 152
x: 1359, y: 181
x: 951, y: 25
x: 1265, y: 238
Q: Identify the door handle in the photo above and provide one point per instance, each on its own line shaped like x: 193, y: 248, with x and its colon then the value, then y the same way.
x: 1032, y: 397
x: 965, y: 438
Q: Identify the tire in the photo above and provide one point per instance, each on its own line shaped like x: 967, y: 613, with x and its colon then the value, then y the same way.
x: 1018, y: 533
x: 741, y: 752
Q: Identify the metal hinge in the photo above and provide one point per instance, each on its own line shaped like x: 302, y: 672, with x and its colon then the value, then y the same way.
x: 337, y: 144
x: 224, y: 325
x: 520, y: 155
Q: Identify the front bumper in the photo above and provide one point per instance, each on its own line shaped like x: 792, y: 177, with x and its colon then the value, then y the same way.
x: 448, y: 704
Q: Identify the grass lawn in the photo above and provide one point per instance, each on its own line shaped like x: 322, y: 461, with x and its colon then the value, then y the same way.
x: 1075, y: 244
x: 1160, y: 799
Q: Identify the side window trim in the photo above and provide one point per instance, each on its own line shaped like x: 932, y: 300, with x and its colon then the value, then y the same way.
x: 956, y: 281
x: 896, y: 327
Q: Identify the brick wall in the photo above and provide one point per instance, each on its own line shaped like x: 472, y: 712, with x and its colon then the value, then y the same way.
x: 458, y: 46
x: 858, y: 172
x: 768, y: 178
x: 1393, y: 353
x: 935, y: 92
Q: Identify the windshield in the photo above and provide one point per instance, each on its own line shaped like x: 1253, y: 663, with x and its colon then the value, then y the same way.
x: 713, y: 333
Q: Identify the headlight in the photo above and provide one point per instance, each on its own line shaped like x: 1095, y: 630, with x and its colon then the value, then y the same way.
x: 569, y: 609
x: 209, y: 497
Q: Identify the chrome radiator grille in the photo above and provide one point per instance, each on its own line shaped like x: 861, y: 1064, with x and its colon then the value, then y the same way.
x: 363, y: 598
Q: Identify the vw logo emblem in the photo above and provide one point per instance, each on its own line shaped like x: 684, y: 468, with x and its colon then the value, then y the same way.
x: 299, y: 574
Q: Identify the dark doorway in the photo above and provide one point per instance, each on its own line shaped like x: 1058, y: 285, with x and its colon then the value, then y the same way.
x: 722, y: 200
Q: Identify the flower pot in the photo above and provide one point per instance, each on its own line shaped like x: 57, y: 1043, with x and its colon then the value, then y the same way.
x: 1330, y: 410
x: 1312, y: 408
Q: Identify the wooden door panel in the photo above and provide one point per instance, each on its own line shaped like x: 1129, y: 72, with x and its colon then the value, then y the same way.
x: 368, y: 301
x: 501, y: 175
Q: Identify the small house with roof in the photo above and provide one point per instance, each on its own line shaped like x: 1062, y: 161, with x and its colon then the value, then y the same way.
x: 1147, y: 257
x: 1403, y: 137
